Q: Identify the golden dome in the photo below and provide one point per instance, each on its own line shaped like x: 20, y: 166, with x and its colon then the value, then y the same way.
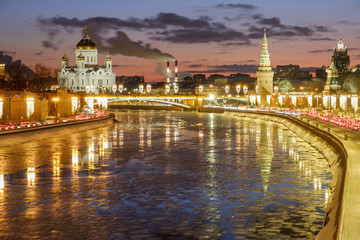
x: 80, y: 57
x: 86, y: 42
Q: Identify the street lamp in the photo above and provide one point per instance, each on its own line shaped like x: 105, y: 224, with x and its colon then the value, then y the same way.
x: 167, y: 88
x: 141, y: 88
x: 238, y: 88
x: 121, y: 88
x: 227, y: 89
x: 148, y: 88
x: 114, y: 88
x: 201, y: 88
x: 176, y: 88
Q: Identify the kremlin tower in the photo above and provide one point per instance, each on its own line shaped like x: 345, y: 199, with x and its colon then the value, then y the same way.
x: 332, y: 81
x: 265, y: 74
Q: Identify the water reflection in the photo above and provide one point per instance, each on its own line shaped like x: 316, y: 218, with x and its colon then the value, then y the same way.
x: 180, y: 175
x: 2, y: 183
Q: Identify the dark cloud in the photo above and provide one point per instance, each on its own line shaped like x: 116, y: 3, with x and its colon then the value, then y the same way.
x: 321, y: 28
x: 50, y: 45
x: 201, y: 35
x: 195, y: 66
x: 273, y: 22
x: 322, y: 39
x: 346, y: 22
x: 176, y: 20
x: 38, y: 53
x: 238, y: 5
x: 321, y: 51
x: 233, y: 68
x: 174, y: 28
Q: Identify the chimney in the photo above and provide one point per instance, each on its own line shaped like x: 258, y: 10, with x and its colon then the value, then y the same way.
x: 176, y: 71
x: 168, y: 72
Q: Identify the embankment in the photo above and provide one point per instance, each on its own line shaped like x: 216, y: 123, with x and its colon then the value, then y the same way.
x: 17, y: 136
x: 334, y: 151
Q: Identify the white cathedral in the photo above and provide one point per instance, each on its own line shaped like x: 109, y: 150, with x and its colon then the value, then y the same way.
x: 87, y: 75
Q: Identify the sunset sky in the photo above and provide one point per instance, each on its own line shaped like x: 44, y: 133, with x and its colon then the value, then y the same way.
x: 204, y: 36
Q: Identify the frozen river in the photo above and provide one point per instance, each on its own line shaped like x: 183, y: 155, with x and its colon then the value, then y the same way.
x: 165, y: 175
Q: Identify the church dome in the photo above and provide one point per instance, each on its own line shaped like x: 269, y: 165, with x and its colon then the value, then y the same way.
x: 80, y: 57
x: 65, y: 58
x: 86, y: 42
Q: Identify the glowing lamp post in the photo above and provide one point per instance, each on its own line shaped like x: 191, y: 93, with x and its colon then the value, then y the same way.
x: 276, y: 89
x: 92, y: 88
x: 141, y: 88
x: 114, y: 88
x: 256, y: 89
x: 148, y: 88
x: 87, y: 89
x: 227, y: 89
x: 238, y: 88
x: 121, y: 88
x: 167, y: 88
x: 176, y: 88
x: 201, y: 89
x: 245, y: 89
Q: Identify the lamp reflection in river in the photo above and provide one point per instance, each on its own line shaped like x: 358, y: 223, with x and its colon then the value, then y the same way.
x: 141, y: 138
x: 75, y: 158
x: 56, y: 165
x: 176, y: 134
x: 2, y: 183
x: 31, y: 175
x: 167, y: 135
x: 148, y: 134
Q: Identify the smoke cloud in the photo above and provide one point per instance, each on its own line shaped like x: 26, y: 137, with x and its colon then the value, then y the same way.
x: 120, y: 43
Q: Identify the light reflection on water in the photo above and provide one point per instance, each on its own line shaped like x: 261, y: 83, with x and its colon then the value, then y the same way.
x: 165, y: 174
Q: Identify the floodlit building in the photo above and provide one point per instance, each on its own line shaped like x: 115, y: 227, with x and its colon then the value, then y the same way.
x: 332, y: 81
x: 341, y: 58
x: 86, y: 75
x: 265, y: 74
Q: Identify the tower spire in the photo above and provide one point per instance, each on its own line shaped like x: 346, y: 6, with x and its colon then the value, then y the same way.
x: 265, y: 63
x: 265, y: 40
x: 265, y: 74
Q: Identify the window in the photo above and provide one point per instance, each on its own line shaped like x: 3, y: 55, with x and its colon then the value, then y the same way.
x: 82, y: 83
x: 100, y: 82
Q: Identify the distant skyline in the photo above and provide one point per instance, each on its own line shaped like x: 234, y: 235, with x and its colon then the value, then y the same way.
x: 204, y: 36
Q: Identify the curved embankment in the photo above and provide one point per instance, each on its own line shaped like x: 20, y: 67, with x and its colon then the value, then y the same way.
x: 333, y: 150
x: 17, y: 136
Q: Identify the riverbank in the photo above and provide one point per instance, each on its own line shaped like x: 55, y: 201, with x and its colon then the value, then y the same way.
x: 12, y: 137
x: 336, y: 154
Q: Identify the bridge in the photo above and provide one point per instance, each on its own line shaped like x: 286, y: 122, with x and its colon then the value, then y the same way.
x: 190, y: 102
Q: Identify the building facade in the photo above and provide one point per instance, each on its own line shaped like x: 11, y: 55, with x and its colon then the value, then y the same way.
x: 265, y: 75
x: 86, y: 75
x: 287, y: 71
